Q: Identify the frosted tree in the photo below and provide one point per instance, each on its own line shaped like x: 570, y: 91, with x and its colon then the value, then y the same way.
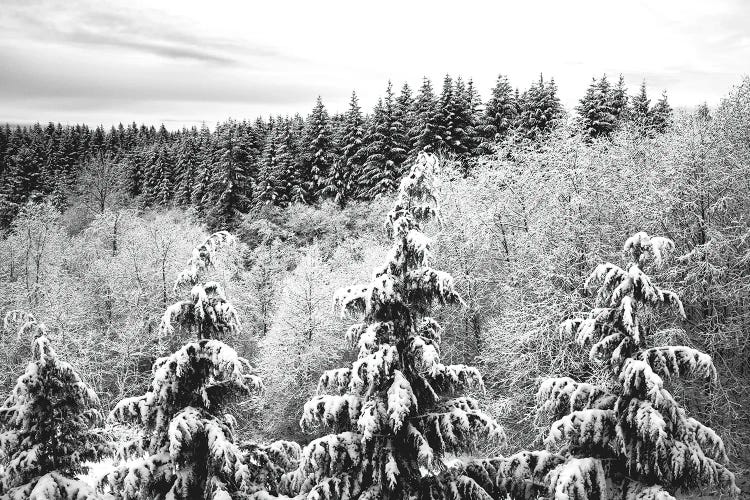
x: 395, y: 411
x: 629, y: 437
x: 203, y: 258
x: 49, y: 426
x: 187, y: 448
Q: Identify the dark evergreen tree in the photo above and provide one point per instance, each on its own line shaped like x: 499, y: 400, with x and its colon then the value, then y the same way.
x: 661, y: 115
x: 640, y: 110
x: 49, y: 426
x: 618, y: 101
x: 395, y: 409
x: 595, y: 111
x: 424, y: 135
x: 187, y: 448
x: 539, y: 107
x: 348, y: 166
x: 628, y: 437
x: 317, y: 153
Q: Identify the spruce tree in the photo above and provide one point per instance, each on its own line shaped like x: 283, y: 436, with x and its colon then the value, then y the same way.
x: 233, y: 176
x: 187, y: 448
x: 424, y: 134
x: 49, y: 426
x: 595, y: 110
x: 618, y: 101
x: 661, y: 115
x: 317, y: 151
x: 394, y: 409
x: 347, y: 167
x: 629, y: 437
x: 640, y: 110
x: 386, y: 149
x: 500, y: 113
x: 539, y: 107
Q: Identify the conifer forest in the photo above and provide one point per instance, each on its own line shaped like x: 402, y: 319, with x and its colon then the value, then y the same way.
x: 463, y: 292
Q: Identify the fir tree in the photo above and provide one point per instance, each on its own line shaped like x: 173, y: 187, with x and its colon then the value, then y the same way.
x: 629, y: 438
x: 640, y: 110
x: 618, y: 101
x: 188, y: 447
x: 317, y: 152
x: 424, y: 134
x: 395, y: 423
x: 661, y: 115
x: 342, y: 186
x: 595, y: 111
x: 48, y: 426
x: 233, y: 176
x: 386, y: 149
x: 539, y: 107
x: 500, y: 113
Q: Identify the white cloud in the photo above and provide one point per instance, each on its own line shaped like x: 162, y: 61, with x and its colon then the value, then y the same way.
x: 185, y: 61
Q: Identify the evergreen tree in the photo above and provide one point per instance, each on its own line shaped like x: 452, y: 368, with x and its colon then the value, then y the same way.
x: 595, y: 111
x: 187, y: 162
x: 640, y: 110
x: 188, y: 448
x: 539, y: 107
x: 618, y: 102
x: 233, y: 175
x: 629, y: 438
x: 395, y: 424
x: 343, y: 183
x: 386, y: 149
x: 424, y: 135
x: 500, y: 113
x: 661, y: 115
x: 403, y: 112
x: 48, y: 426
x: 317, y: 151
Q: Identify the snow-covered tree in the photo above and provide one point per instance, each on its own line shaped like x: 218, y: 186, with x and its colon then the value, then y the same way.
x: 395, y: 410
x: 49, y: 426
x: 187, y: 448
x: 203, y: 258
x: 628, y: 437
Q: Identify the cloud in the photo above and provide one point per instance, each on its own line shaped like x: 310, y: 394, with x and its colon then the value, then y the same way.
x: 95, y: 26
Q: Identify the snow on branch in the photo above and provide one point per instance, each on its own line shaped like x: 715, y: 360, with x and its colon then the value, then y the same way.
x: 519, y: 476
x: 679, y: 361
x: 207, y: 312
x: 579, y: 479
x: 401, y: 400
x: 451, y: 378
x: 332, y: 411
x: 203, y: 257
x: 588, y: 429
x: 561, y: 396
x: 640, y: 247
x: 53, y: 486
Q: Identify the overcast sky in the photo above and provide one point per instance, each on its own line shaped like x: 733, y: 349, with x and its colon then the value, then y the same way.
x: 185, y: 62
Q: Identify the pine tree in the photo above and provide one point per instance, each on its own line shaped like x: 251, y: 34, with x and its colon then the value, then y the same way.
x: 629, y: 438
x: 187, y: 448
x: 640, y: 110
x: 424, y: 135
x: 386, y: 149
x: 317, y: 151
x: 539, y: 107
x: 348, y: 166
x: 390, y: 408
x: 49, y: 426
x: 500, y: 113
x: 233, y: 176
x: 661, y: 115
x: 595, y: 111
x: 618, y: 101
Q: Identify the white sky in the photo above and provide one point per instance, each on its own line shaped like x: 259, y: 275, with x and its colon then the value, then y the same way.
x: 183, y: 62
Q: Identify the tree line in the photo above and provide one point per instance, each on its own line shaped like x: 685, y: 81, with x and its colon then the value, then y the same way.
x: 283, y: 160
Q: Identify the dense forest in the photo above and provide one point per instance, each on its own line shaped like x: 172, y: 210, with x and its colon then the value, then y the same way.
x: 558, y: 304
x: 285, y: 160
